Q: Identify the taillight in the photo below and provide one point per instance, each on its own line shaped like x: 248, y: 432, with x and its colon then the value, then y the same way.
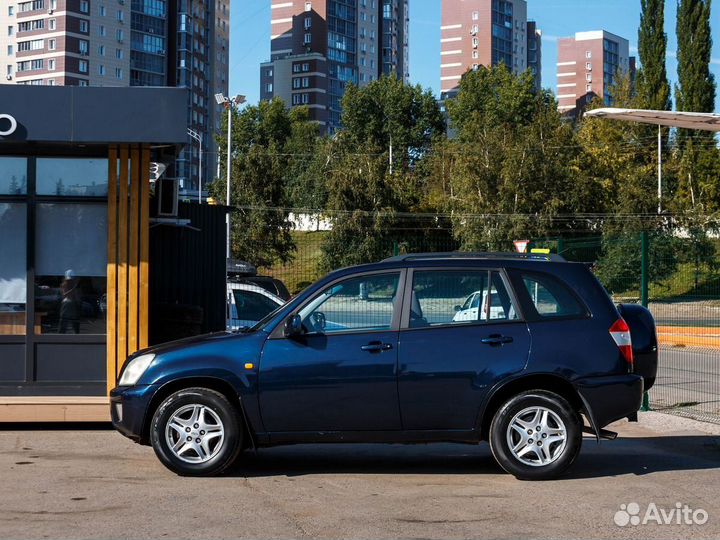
x: 620, y: 332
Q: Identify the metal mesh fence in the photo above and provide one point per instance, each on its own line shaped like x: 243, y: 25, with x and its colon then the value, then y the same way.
x: 675, y: 275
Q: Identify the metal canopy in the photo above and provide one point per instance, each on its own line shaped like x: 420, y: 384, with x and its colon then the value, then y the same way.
x: 688, y: 120
x: 92, y: 115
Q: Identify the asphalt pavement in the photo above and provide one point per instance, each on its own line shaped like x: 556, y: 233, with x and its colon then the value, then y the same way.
x: 689, y: 381
x: 94, y: 483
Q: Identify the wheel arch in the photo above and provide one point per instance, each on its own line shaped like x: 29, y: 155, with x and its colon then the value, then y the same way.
x: 540, y: 381
x: 212, y: 383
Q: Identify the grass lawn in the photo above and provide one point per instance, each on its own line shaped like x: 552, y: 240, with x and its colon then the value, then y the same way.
x: 687, y: 282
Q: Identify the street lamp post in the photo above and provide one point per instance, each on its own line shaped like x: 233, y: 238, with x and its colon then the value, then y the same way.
x: 198, y: 137
x: 229, y: 104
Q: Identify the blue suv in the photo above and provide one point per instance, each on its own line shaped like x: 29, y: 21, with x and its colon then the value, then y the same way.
x: 525, y: 352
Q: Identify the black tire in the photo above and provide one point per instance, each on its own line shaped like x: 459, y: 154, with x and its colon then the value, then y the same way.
x: 561, y: 458
x: 221, y: 453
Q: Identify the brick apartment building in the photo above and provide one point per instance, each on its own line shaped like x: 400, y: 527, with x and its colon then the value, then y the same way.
x: 319, y: 46
x: 484, y: 33
x: 126, y: 43
x: 587, y: 66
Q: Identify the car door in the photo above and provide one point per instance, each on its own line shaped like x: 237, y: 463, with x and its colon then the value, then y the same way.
x: 341, y: 373
x: 447, y: 364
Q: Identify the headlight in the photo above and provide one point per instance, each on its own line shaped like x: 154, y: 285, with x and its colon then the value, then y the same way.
x: 134, y: 369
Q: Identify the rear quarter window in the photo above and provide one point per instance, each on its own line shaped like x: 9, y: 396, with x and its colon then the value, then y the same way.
x: 548, y: 297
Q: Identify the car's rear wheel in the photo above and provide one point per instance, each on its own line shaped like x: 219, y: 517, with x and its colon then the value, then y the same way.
x: 196, y: 432
x: 536, y: 435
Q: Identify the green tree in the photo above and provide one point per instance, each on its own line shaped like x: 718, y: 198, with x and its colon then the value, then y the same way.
x: 265, y: 139
x: 619, y: 267
x: 362, y: 194
x: 653, y: 88
x: 511, y: 172
x: 618, y: 156
x: 695, y: 92
x: 495, y: 97
x: 698, y: 170
x: 621, y: 158
x: 388, y: 111
x: 696, y: 84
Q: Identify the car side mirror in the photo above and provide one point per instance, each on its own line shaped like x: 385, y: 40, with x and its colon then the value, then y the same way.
x: 457, y: 308
x: 293, y: 326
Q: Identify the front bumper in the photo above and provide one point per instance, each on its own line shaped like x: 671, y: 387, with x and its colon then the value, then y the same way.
x: 610, y: 398
x: 128, y: 409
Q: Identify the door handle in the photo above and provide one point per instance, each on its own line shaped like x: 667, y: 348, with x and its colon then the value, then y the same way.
x: 496, y: 339
x: 376, y: 346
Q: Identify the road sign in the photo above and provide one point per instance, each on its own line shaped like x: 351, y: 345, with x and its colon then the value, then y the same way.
x: 521, y: 245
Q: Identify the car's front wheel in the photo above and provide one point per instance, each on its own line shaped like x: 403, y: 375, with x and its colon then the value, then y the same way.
x: 536, y: 435
x: 196, y: 432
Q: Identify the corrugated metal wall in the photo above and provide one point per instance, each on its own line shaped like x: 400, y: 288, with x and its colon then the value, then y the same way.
x: 187, y: 274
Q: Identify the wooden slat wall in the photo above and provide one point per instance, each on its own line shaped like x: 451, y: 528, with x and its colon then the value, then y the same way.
x: 133, y: 250
x: 144, y: 320
x: 128, y: 255
x: 112, y: 265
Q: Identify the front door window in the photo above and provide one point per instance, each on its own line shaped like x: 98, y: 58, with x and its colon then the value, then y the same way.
x: 360, y: 304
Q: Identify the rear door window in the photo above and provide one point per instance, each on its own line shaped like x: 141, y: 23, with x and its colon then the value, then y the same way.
x: 452, y: 297
x: 550, y: 298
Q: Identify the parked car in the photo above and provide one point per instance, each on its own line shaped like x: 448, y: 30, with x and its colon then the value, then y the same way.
x: 247, y: 304
x: 270, y: 284
x: 477, y: 301
x: 372, y: 353
x: 244, y: 272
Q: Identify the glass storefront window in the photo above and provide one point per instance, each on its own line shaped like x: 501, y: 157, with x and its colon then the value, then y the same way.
x: 13, y: 176
x: 13, y: 268
x: 72, y: 177
x: 70, y: 268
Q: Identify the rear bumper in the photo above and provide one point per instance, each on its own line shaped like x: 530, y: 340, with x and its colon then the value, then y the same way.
x: 128, y: 407
x: 611, y: 398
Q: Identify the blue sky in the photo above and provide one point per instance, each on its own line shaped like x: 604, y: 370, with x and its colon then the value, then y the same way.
x: 250, y: 36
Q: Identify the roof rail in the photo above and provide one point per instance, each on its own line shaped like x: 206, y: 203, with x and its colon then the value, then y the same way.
x: 477, y: 255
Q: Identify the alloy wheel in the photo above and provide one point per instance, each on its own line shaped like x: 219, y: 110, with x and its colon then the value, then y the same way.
x: 194, y: 433
x: 536, y: 436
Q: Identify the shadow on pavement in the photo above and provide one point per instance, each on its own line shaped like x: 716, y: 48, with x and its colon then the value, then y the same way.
x: 56, y: 426
x: 639, y: 456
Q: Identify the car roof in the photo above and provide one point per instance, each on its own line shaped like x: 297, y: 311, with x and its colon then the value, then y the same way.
x: 454, y: 255
x: 518, y: 260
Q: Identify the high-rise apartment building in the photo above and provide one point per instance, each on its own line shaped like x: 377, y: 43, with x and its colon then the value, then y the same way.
x: 319, y: 46
x: 485, y: 33
x: 396, y: 38
x: 534, y: 52
x: 126, y: 43
x: 587, y: 66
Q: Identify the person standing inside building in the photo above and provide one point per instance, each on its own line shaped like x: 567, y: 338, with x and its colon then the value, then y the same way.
x: 70, y: 304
